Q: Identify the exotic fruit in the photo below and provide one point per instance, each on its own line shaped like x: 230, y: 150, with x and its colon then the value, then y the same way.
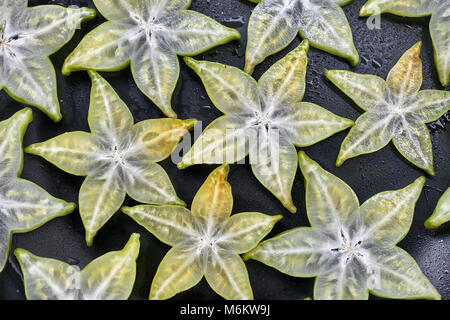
x: 206, y: 240
x: 24, y: 206
x: 117, y: 156
x: 109, y: 277
x: 275, y: 23
x: 148, y: 35
x: 439, y: 25
x: 350, y: 248
x: 28, y: 36
x: 395, y: 110
x: 265, y: 120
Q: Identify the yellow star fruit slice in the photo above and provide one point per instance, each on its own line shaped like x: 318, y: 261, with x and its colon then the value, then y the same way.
x: 148, y: 36
x: 206, y: 241
x: 117, y: 156
x: 275, y: 23
x: 264, y: 119
x: 28, y: 36
x: 350, y: 248
x: 109, y: 277
x: 24, y: 206
x: 439, y: 25
x: 396, y: 110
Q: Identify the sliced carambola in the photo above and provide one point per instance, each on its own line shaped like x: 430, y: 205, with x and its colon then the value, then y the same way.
x: 396, y: 110
x: 441, y: 214
x: 117, y: 156
x: 350, y: 248
x: 206, y: 240
x: 275, y: 23
x: 439, y: 25
x: 24, y: 206
x: 28, y: 36
x: 265, y: 120
x: 109, y: 277
x: 148, y: 36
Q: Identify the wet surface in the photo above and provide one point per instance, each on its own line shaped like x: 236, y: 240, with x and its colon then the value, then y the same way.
x: 63, y: 238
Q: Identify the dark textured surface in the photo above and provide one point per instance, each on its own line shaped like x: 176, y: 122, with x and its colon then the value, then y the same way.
x: 63, y: 238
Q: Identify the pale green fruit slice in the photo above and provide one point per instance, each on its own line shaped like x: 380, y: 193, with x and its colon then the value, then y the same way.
x: 213, y: 202
x: 409, y: 8
x: 439, y: 30
x: 265, y: 119
x: 223, y: 141
x: 230, y: 89
x: 28, y: 36
x: 228, y: 276
x: 441, y: 214
x: 351, y: 249
x: 170, y: 224
x: 206, y: 241
x: 180, y: 270
x: 117, y: 156
x: 274, y: 164
x: 24, y: 206
x: 439, y: 25
x: 367, y: 91
x: 395, y: 110
x: 109, y: 277
x: 148, y: 35
x: 275, y: 23
x: 399, y: 276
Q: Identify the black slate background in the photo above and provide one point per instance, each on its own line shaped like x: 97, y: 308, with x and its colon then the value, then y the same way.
x: 64, y: 238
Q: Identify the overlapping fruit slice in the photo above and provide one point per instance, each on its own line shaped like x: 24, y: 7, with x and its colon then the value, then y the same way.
x: 351, y: 249
x: 439, y: 25
x: 148, y: 35
x: 395, y: 110
x: 117, y: 156
x: 24, y: 206
x: 441, y: 214
x: 206, y: 241
x: 265, y: 119
x: 275, y: 23
x: 28, y: 36
x: 109, y: 277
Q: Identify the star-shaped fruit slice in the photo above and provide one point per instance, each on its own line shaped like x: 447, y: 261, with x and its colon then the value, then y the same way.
x: 109, y: 277
x: 24, y: 206
x: 206, y: 241
x: 148, y: 36
x: 117, y: 156
x: 441, y: 214
x: 265, y: 119
x: 28, y: 36
x: 395, y: 110
x: 350, y: 248
x: 439, y: 25
x: 275, y: 23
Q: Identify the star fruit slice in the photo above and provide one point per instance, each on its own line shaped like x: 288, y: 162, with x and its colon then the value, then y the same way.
x: 206, y: 240
x: 264, y: 119
x: 395, y: 110
x: 109, y: 277
x: 28, y: 36
x: 350, y: 248
x: 441, y: 214
x: 24, y: 206
x: 439, y: 25
x: 117, y: 156
x: 148, y: 36
x: 275, y: 23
